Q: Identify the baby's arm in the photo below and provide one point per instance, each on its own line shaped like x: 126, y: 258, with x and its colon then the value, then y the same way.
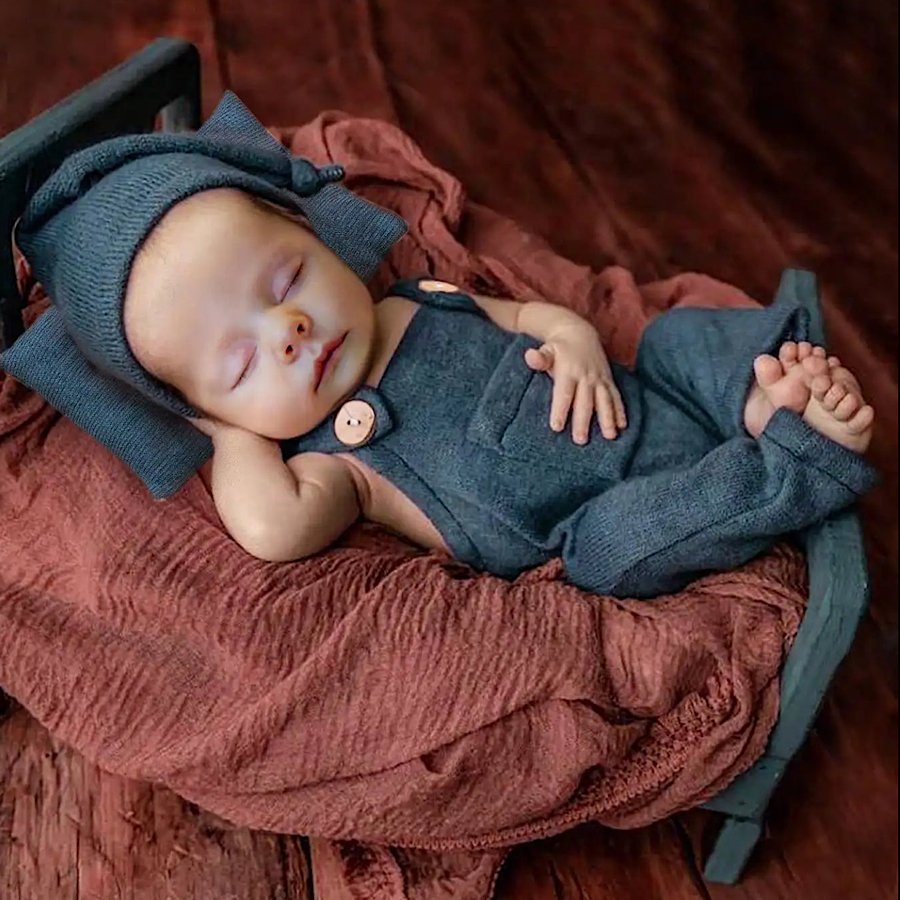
x: 277, y: 511
x: 540, y: 320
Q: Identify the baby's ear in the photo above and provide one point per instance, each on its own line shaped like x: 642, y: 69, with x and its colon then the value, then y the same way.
x: 232, y: 121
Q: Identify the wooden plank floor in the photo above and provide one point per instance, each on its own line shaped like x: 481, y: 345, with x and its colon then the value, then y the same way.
x: 727, y: 138
x: 69, y: 831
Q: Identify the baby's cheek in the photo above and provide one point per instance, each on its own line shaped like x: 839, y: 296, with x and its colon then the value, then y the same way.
x: 281, y: 414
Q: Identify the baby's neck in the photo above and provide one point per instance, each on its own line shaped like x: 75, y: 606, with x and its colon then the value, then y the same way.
x: 392, y: 318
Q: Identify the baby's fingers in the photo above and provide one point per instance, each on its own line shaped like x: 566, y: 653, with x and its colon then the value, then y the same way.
x: 540, y: 359
x: 582, y: 413
x: 563, y: 393
x: 606, y: 412
x: 618, y: 405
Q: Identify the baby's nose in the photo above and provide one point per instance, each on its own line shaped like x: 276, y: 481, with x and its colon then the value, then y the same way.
x: 294, y: 328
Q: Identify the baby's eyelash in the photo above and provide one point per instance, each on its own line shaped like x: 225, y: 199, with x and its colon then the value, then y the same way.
x: 246, y: 369
x: 292, y: 282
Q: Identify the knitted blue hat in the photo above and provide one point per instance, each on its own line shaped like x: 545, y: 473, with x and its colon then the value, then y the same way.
x: 84, y: 226
x: 81, y: 232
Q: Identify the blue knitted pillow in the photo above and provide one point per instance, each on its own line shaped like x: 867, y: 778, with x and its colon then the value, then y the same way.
x: 160, y: 447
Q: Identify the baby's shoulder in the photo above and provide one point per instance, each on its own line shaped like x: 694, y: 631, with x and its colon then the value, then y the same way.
x: 396, y: 301
x: 395, y: 312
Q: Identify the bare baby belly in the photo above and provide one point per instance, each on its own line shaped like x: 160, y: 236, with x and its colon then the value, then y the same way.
x: 384, y: 503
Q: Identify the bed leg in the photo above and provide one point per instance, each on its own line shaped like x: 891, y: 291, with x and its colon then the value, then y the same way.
x: 732, y: 849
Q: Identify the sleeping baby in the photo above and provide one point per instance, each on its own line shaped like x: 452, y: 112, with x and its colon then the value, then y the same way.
x: 224, y: 282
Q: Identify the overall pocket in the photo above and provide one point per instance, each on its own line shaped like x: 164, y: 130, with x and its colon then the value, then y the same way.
x: 512, y: 417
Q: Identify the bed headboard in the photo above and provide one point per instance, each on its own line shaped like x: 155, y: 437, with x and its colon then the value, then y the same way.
x: 158, y: 87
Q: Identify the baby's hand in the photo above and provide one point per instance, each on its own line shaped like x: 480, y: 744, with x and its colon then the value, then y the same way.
x: 582, y: 381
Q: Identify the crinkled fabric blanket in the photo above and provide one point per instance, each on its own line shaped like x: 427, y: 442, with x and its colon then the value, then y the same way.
x: 417, y: 715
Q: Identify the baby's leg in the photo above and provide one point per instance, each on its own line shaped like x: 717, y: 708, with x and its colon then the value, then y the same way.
x: 652, y: 534
x: 714, y: 365
x: 702, y: 361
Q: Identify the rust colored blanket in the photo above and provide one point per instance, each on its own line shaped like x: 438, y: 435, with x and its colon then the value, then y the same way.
x: 377, y: 696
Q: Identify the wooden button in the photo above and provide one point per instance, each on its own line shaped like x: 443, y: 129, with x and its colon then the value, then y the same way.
x: 443, y: 286
x: 355, y: 423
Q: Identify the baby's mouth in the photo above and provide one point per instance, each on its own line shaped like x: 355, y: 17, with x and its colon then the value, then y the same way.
x: 329, y: 351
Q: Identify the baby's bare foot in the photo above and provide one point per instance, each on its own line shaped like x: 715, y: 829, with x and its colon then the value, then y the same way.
x: 836, y: 407
x: 779, y: 386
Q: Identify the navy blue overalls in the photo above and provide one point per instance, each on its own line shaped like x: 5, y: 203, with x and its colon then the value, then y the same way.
x: 461, y: 427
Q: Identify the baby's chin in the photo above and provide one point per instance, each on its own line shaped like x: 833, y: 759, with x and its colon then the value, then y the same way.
x: 280, y: 428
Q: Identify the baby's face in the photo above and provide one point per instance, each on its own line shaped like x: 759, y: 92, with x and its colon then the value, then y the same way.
x: 248, y: 314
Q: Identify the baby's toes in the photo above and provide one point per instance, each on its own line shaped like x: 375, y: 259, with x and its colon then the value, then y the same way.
x: 845, y: 376
x: 834, y: 362
x: 820, y: 352
x: 768, y: 370
x: 815, y: 365
x: 788, y: 354
x: 862, y: 421
x: 804, y: 349
x: 833, y: 396
x: 847, y: 407
x: 820, y: 386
